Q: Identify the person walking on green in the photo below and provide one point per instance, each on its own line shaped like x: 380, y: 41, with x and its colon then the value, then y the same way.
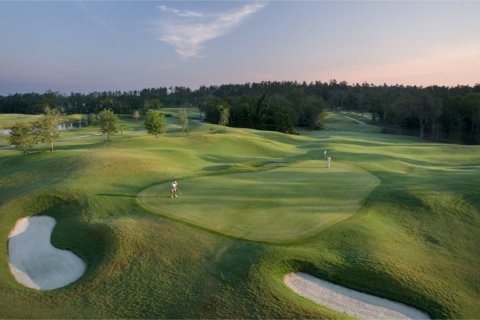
x: 174, y: 189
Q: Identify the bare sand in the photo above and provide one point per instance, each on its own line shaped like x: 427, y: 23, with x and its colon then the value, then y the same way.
x: 34, y: 262
x: 354, y: 303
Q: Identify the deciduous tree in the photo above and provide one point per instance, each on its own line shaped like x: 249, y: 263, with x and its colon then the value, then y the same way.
x: 155, y: 122
x: 136, y: 115
x: 46, y: 126
x: 92, y: 119
x: 183, y: 119
x: 224, y: 115
x: 108, y: 122
x: 21, y: 136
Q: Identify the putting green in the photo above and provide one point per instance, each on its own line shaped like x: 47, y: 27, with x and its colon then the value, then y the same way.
x: 279, y: 205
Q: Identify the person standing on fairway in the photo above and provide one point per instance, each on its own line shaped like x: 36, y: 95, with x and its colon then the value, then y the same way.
x: 174, y: 189
x: 329, y: 160
x: 325, y: 154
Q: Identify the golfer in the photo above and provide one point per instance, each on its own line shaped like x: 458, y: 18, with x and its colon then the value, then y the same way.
x: 174, y: 189
x: 329, y: 161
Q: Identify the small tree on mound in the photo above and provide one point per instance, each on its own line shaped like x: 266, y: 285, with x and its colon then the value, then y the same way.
x: 108, y: 122
x: 224, y: 116
x: 183, y: 119
x: 92, y: 119
x: 21, y: 136
x: 155, y: 122
x: 136, y: 115
x: 45, y: 126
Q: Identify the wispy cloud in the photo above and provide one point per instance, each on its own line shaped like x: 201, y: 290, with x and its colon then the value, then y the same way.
x: 190, y: 30
x: 94, y: 17
x: 181, y: 13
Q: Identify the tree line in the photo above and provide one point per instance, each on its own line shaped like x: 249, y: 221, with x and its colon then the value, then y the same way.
x: 436, y: 112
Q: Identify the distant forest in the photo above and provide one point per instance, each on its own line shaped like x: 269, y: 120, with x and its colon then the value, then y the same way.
x: 438, y: 113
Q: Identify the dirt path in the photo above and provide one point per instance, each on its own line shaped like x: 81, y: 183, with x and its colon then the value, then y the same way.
x: 357, y: 121
x: 354, y: 303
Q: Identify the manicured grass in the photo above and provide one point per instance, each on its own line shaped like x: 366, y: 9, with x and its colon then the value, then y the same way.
x: 9, y: 119
x: 335, y: 121
x: 278, y: 205
x: 414, y: 238
x: 364, y: 117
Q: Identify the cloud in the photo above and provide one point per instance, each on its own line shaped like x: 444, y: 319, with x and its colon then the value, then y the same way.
x: 189, y: 34
x: 181, y: 13
x: 95, y: 18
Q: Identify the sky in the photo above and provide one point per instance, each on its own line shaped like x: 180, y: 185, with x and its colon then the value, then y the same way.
x: 85, y: 46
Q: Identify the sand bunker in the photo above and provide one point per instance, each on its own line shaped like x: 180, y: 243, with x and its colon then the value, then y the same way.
x: 34, y: 262
x: 354, y: 303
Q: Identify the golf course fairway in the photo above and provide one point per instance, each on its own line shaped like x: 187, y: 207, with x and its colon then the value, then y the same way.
x: 395, y: 217
x: 278, y: 205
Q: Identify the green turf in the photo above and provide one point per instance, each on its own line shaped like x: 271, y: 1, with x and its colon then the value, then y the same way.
x: 413, y: 239
x: 278, y: 205
x: 335, y: 121
x: 8, y: 120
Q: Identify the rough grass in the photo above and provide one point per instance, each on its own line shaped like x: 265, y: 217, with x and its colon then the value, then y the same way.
x: 415, y: 239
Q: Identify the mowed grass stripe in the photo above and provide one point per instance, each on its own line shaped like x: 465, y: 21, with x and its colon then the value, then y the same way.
x: 280, y: 205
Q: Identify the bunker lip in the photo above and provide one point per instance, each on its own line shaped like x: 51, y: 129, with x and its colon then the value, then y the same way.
x: 35, y: 262
x: 354, y: 303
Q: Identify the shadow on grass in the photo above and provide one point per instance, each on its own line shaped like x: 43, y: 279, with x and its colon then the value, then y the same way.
x: 116, y: 195
x: 221, y: 159
x: 127, y: 195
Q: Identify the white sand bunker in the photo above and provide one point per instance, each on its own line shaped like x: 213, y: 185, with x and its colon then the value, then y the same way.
x: 354, y: 303
x: 34, y: 262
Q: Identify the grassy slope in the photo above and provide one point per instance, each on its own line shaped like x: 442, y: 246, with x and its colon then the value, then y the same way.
x: 415, y: 239
x: 335, y: 121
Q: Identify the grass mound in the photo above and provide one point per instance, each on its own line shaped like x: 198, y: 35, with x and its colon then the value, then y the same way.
x: 280, y: 205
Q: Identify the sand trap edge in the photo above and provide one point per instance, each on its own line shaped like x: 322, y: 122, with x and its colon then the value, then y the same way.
x: 67, y: 269
x: 354, y: 303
